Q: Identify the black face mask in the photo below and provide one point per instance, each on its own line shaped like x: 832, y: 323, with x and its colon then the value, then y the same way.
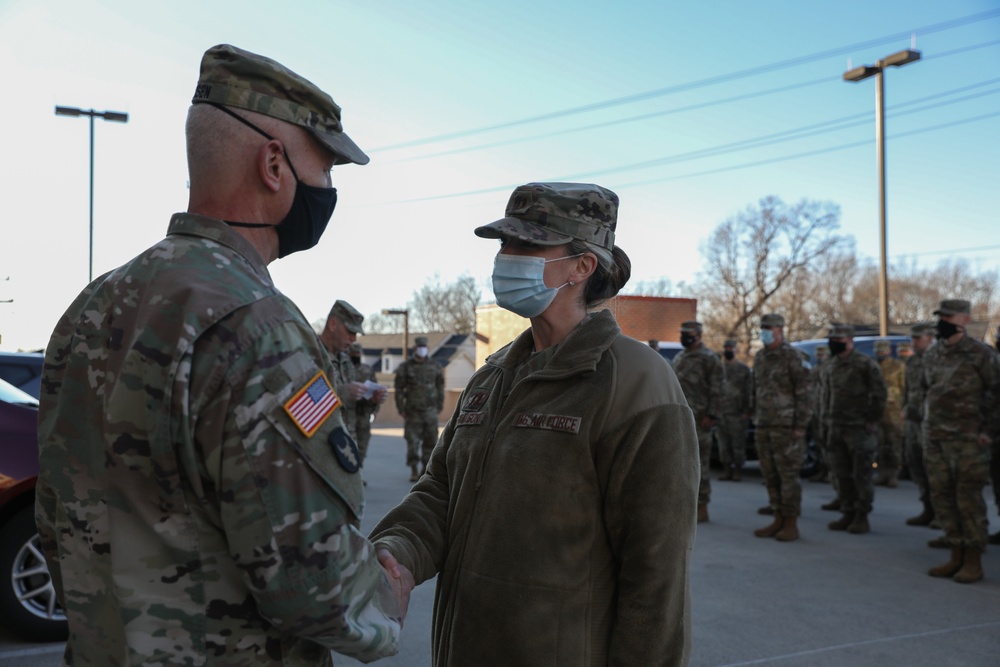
x: 728, y: 354
x: 312, y: 208
x: 836, y: 347
x: 946, y: 330
x: 356, y: 361
x: 687, y: 339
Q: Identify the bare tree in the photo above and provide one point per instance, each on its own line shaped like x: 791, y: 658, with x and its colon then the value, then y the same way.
x: 755, y: 254
x: 436, y: 306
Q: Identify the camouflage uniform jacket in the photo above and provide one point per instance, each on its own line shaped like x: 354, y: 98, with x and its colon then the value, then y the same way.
x: 737, y: 394
x: 343, y: 375
x: 184, y: 516
x: 419, y: 386
x: 894, y: 372
x: 362, y: 373
x: 569, y: 484
x: 782, y: 389
x: 700, y: 373
x: 913, y: 391
x: 962, y: 385
x: 854, y: 389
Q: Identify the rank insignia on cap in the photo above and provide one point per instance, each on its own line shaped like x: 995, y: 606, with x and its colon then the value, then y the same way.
x: 311, y: 405
x: 345, y: 449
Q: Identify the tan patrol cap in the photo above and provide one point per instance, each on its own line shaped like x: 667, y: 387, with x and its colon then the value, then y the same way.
x: 954, y: 307
x: 691, y: 327
x: 236, y: 78
x: 841, y: 331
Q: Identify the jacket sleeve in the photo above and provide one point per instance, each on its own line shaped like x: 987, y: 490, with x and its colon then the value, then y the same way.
x: 399, y: 384
x: 439, y: 382
x: 802, y: 386
x: 716, y: 388
x: 650, y: 511
x: 878, y: 392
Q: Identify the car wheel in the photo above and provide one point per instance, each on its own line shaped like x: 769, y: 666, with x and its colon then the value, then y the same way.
x: 28, y: 604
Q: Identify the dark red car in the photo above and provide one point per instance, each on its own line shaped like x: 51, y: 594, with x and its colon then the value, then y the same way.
x: 28, y: 605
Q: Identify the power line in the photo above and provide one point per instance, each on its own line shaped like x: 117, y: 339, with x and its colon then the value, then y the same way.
x: 702, y: 83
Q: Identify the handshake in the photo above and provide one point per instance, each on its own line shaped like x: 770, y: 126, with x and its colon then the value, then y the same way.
x: 400, y: 579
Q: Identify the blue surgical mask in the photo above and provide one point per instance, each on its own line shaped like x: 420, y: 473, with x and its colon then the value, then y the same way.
x: 519, y: 284
x: 766, y: 336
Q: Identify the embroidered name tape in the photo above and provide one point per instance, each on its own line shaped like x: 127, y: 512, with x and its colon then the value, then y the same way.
x: 310, y: 406
x: 470, y: 419
x: 548, y: 422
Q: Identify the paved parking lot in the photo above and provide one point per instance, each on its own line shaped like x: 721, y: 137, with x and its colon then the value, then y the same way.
x: 827, y: 600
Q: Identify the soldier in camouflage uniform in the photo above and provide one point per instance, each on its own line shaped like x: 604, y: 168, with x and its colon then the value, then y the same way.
x: 890, y: 429
x: 700, y: 372
x: 365, y: 407
x: 913, y: 414
x: 854, y: 391
x: 782, y: 410
x: 737, y: 406
x: 816, y: 425
x: 995, y: 461
x: 419, y: 388
x: 198, y: 499
x: 962, y: 384
x: 343, y: 325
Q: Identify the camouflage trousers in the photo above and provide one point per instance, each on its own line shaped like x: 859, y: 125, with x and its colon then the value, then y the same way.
x: 958, y: 469
x: 890, y: 440
x: 781, y: 455
x: 914, y: 435
x: 732, y: 437
x: 363, y: 428
x: 852, y: 450
x: 420, y: 428
x: 705, y: 452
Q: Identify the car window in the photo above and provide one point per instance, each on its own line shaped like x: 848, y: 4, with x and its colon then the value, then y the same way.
x: 11, y: 394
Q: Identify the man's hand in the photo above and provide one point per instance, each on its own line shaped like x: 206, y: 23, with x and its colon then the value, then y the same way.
x: 400, y: 578
x: 381, y: 395
x: 357, y: 390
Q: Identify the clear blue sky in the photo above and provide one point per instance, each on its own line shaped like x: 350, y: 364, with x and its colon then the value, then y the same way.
x: 457, y: 102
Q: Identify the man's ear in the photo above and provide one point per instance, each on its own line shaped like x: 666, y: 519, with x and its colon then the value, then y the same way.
x: 270, y: 165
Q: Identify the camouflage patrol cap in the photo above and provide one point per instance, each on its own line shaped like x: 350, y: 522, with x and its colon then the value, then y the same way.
x: 922, y: 329
x: 349, y: 315
x: 355, y: 349
x: 954, y: 307
x: 903, y: 349
x: 841, y: 331
x: 557, y: 213
x: 772, y: 320
x: 420, y: 341
x: 236, y: 78
x: 731, y: 342
x: 822, y: 351
x: 691, y: 327
x: 883, y: 346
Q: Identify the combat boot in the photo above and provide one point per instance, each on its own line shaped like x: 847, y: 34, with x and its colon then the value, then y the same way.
x: 726, y: 476
x: 737, y: 474
x: 832, y: 506
x: 880, y: 478
x: 938, y: 543
x: 972, y: 567
x: 859, y: 525
x: 842, y: 523
x: 766, y: 510
x: 922, y: 519
x: 789, y: 531
x: 892, y: 479
x: 995, y: 538
x: 772, y: 529
x: 702, y: 512
x: 414, y: 475
x: 951, y: 567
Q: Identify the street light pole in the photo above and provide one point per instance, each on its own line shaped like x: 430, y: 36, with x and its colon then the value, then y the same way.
x: 114, y: 116
x: 406, y: 325
x: 859, y: 74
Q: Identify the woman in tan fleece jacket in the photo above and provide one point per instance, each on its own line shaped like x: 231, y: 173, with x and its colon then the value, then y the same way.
x: 558, y: 507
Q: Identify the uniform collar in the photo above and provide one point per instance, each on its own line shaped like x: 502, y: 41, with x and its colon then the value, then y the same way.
x: 193, y: 224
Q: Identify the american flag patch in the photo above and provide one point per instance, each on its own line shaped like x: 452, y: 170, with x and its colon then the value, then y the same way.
x: 311, y: 405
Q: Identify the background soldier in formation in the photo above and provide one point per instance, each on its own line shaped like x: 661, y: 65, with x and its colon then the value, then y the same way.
x: 854, y: 392
x: 913, y: 414
x: 419, y: 398
x: 817, y: 424
x: 700, y: 373
x: 782, y: 410
x: 890, y: 430
x: 737, y: 405
x: 343, y: 325
x: 962, y: 385
x: 364, y: 408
